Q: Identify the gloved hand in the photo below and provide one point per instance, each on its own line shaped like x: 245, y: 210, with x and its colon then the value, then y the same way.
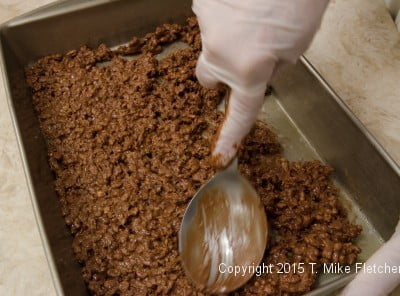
x: 243, y: 42
x: 378, y: 283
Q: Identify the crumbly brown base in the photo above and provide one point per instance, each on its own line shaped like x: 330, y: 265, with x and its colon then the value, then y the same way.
x: 129, y: 145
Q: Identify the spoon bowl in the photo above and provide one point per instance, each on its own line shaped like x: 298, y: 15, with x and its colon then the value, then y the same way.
x: 223, y: 233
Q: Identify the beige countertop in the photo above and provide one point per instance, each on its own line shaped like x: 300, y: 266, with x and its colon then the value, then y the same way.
x: 357, y: 51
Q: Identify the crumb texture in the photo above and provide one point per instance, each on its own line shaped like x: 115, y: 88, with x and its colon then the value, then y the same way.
x: 128, y: 140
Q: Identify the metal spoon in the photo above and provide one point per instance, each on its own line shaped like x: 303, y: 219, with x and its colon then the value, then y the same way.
x: 223, y: 233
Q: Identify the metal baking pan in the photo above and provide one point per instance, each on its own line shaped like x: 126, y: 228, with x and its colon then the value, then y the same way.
x: 311, y: 121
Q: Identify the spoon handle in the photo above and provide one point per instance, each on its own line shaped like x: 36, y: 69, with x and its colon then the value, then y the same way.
x: 233, y: 166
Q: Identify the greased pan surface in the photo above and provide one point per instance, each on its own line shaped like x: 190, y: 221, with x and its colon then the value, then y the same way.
x: 307, y: 115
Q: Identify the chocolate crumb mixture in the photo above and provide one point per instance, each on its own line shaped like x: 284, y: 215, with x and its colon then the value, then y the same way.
x: 129, y: 142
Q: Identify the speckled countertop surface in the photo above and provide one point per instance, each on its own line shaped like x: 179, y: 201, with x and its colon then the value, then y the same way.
x: 357, y: 51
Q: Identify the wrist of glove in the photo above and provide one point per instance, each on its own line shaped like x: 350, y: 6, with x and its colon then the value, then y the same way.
x: 242, y: 42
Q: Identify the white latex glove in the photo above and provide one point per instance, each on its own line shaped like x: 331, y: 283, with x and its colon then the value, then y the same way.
x: 243, y: 42
x: 378, y: 284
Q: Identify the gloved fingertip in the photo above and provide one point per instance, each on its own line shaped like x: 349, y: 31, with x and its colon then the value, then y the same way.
x: 204, y: 75
x: 223, y: 153
x: 240, y: 117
